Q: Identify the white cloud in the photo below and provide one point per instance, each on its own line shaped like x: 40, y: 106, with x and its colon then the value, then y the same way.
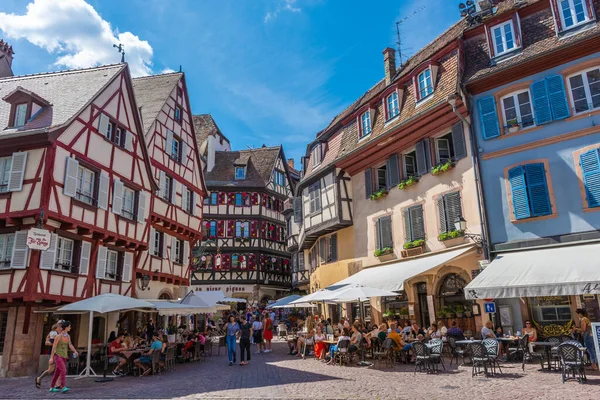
x: 285, y: 5
x: 77, y: 34
x: 167, y: 71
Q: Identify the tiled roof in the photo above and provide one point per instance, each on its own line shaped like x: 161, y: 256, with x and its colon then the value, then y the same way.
x: 151, y: 94
x: 259, y: 166
x: 204, y: 126
x: 539, y: 37
x: 68, y: 92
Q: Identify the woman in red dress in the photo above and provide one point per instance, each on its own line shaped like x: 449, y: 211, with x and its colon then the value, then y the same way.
x: 319, y: 343
x: 268, y: 333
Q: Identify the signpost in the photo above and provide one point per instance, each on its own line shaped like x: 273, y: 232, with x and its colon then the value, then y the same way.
x: 490, y: 307
x: 38, y: 239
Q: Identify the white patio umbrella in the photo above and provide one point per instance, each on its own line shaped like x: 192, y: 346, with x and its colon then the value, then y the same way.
x: 102, y: 304
x: 199, y: 300
x: 284, y: 302
x: 319, y: 295
x: 359, y: 293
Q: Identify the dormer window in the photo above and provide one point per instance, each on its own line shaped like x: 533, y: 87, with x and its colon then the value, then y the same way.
x: 393, y: 108
x: 365, y: 124
x: 425, y: 84
x: 20, y: 115
x: 25, y: 106
x: 316, y: 155
x: 503, y: 37
x: 240, y: 173
x: 573, y: 13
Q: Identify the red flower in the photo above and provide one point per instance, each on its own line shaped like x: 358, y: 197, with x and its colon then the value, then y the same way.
x: 208, y: 224
x: 244, y: 194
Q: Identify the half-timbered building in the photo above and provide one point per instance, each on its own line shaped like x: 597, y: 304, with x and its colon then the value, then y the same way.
x: 73, y: 161
x: 176, y: 209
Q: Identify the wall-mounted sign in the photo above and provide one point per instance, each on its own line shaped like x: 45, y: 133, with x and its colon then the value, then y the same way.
x: 38, y: 239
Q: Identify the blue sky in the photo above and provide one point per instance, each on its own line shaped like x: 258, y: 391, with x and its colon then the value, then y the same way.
x: 269, y: 71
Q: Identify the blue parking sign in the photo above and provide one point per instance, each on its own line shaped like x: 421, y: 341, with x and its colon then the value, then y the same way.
x: 490, y: 308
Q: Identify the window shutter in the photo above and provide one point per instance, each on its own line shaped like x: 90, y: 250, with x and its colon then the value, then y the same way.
x: 84, y: 258
x: 127, y: 267
x: 323, y: 250
x: 183, y: 196
x: 162, y: 181
x: 71, y: 171
x: 103, y: 190
x: 151, y: 241
x: 298, y: 210
x: 333, y: 244
x: 186, y: 252
x: 421, y: 153
x: 441, y: 214
x: 128, y: 141
x: 165, y: 240
x: 17, y: 171
x: 458, y: 141
x: 558, y: 97
x: 117, y: 204
x: 590, y: 167
x: 407, y: 226
x: 173, y: 248
x: 453, y: 209
x: 103, y: 123
x: 520, y: 198
x: 48, y: 258
x: 488, y: 117
x: 416, y: 222
x: 184, y: 152
x: 101, y: 262
x: 20, y: 251
x: 386, y: 232
x: 392, y: 171
x: 194, y: 199
x: 378, y: 234
x: 368, y: 183
x: 537, y: 190
x: 173, y: 190
x: 141, y: 207
x: 541, y: 106
x: 169, y: 142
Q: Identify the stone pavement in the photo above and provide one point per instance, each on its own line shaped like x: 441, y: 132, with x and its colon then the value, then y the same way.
x: 279, y: 376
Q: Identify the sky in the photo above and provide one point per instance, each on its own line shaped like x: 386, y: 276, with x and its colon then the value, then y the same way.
x: 268, y: 71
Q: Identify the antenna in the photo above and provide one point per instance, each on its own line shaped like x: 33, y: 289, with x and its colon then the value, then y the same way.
x: 399, y: 42
x: 121, y: 49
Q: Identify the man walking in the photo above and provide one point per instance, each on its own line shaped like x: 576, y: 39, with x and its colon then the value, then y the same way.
x: 245, y: 334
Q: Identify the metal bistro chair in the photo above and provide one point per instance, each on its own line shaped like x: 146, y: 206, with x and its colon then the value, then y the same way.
x: 493, y: 348
x: 282, y: 331
x: 571, y: 362
x: 527, y: 354
x: 386, y: 352
x: 422, y: 357
x: 456, y: 351
x: 342, y: 354
x: 479, y: 358
x: 170, y: 359
x: 554, y: 358
x: 197, y: 351
x: 436, y: 348
x: 208, y: 347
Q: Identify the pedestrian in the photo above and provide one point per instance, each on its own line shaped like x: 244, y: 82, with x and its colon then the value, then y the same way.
x: 59, y: 356
x: 245, y: 334
x: 55, y: 331
x: 150, y: 328
x: 231, y: 329
x: 268, y: 333
x: 585, y: 327
x: 257, y: 336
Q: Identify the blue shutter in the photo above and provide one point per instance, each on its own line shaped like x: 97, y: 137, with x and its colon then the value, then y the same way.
x: 538, y: 190
x: 541, y: 106
x: 516, y: 178
x: 488, y: 117
x: 590, y: 167
x: 558, y: 97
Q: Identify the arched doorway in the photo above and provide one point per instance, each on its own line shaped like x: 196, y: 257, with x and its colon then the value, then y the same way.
x: 452, y: 303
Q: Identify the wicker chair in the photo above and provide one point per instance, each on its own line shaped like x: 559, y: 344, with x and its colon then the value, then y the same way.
x: 422, y: 357
x: 342, y: 354
x: 479, y: 358
x: 436, y: 348
x: 493, y: 348
x: 386, y: 352
x: 571, y: 362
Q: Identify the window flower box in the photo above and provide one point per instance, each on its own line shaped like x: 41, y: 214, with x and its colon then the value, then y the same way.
x: 412, y: 180
x: 452, y: 238
x: 512, y: 125
x: 413, y: 248
x: 441, y: 168
x: 379, y: 194
x: 385, y: 254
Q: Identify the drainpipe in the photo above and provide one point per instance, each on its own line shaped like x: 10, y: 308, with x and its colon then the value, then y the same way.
x: 477, y: 173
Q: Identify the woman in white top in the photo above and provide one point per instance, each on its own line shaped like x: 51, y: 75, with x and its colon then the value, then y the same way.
x: 319, y: 343
x: 257, y: 336
x: 333, y: 348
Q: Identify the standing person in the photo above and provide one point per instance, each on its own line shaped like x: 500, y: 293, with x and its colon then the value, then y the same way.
x: 231, y: 329
x: 150, y: 328
x: 54, y: 332
x: 245, y: 334
x: 585, y: 328
x: 257, y: 336
x: 268, y: 334
x: 59, y: 356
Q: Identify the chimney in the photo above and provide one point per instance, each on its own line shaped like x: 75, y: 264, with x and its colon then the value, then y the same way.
x: 389, y: 63
x: 6, y: 56
x: 291, y: 163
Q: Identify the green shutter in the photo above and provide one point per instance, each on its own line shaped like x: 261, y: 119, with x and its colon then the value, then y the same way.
x: 407, y: 226
x: 453, y: 209
x: 392, y: 171
x: 441, y: 214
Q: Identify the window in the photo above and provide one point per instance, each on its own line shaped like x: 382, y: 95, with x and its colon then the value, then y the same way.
x: 20, y: 114
x: 316, y: 155
x: 365, y: 124
x: 178, y: 251
x: 425, y: 85
x: 328, y: 248
x: 529, y: 191
x: 392, y: 105
x: 314, y: 197
x: 242, y: 229
x: 240, y: 172
x: 112, y: 131
x: 189, y: 201
x: 381, y: 177
x: 573, y: 13
x: 167, y: 188
x: 443, y: 149
x: 129, y: 196
x: 517, y: 110
x: 414, y: 229
x: 176, y: 149
x: 503, y: 38
x: 7, y: 243
x: 590, y: 170
x: 214, y: 198
x: 279, y: 178
x: 112, y: 264
x: 449, y: 210
x: 410, y: 164
x: 64, y: 254
x: 213, y: 229
x: 157, y: 244
x: 384, y: 233
x: 178, y: 113
x: 585, y: 90
x: 86, y: 182
x: 235, y: 261
x: 5, y: 165
x: 241, y: 200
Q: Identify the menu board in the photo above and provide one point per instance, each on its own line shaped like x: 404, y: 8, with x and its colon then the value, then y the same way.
x: 596, y: 333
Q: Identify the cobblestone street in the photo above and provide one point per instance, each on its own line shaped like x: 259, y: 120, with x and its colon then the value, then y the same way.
x: 279, y: 376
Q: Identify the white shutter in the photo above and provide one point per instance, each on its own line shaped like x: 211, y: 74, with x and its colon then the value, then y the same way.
x: 103, y: 123
x: 165, y: 241
x: 128, y: 141
x: 127, y: 267
x: 184, y: 152
x: 162, y: 181
x: 141, y: 211
x: 17, y: 171
x: 184, y: 190
x: 169, y: 142
x: 84, y: 259
x: 151, y: 243
x: 117, y: 204
x: 101, y: 262
x: 20, y: 251
x: 193, y: 203
x: 173, y: 190
x: 173, y: 248
x: 70, y: 183
x: 48, y: 258
x: 186, y: 252
x: 103, y: 190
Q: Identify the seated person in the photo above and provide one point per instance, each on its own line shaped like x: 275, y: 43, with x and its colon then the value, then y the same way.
x: 333, y: 348
x: 406, y: 329
x: 308, y: 339
x: 188, y: 348
x: 455, y: 332
x: 319, y: 343
x: 383, y: 328
x: 355, y: 339
x: 146, y: 359
x: 399, y: 344
x: 487, y: 332
x: 114, y: 348
x: 431, y: 331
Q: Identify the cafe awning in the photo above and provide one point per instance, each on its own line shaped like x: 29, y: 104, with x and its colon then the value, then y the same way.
x: 392, y: 276
x: 165, y: 307
x: 556, y: 271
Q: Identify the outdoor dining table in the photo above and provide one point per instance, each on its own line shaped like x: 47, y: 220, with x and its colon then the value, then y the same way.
x: 467, y: 341
x: 548, y: 346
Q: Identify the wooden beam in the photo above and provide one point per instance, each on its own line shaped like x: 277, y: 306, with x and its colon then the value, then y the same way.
x: 83, y: 231
x: 67, y: 226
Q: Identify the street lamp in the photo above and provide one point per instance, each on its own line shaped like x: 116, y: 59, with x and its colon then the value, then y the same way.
x: 460, y: 224
x: 144, y: 282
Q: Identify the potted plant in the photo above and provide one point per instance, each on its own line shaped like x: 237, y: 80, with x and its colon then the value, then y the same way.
x: 413, y: 248
x: 459, y: 309
x: 383, y: 252
x: 388, y: 314
x: 408, y: 182
x: 512, y: 125
x: 451, y: 235
x: 449, y: 312
x: 443, y: 167
x: 441, y: 313
x: 403, y: 312
x: 379, y: 194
